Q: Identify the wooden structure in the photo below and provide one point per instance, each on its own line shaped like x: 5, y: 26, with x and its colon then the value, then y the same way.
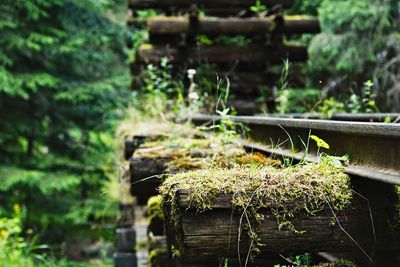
x: 178, y: 34
x: 125, y: 254
x: 205, y: 238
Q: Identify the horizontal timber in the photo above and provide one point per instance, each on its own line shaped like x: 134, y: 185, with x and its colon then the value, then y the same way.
x: 214, y: 233
x: 222, y: 54
x: 229, y: 26
x: 139, y: 4
x: 362, y: 117
x: 374, y: 148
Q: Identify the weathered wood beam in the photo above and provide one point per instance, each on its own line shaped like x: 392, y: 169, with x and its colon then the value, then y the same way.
x: 209, y: 234
x: 144, y: 173
x: 205, y: 3
x: 299, y: 24
x: 230, y: 26
x: 136, y: 23
x: 222, y: 54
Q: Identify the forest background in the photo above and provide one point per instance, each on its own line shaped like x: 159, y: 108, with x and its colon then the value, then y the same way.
x: 65, y: 87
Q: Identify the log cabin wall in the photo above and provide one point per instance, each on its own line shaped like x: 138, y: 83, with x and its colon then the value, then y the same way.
x: 177, y: 32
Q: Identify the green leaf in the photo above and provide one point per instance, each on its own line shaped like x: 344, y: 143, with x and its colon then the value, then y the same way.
x: 319, y: 141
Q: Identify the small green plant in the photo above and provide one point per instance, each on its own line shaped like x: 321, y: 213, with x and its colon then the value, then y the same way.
x: 161, y: 95
x: 258, y: 7
x: 158, y: 79
x: 365, y: 103
x: 368, y: 100
x: 320, y: 143
x: 226, y: 126
x: 283, y: 95
x: 299, y: 100
x: 303, y: 260
x: 354, y: 104
x: 14, y: 249
x: 330, y: 106
x: 238, y: 41
x: 204, y: 40
x: 328, y: 159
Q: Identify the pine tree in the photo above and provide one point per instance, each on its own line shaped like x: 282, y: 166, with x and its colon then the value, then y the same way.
x: 63, y: 81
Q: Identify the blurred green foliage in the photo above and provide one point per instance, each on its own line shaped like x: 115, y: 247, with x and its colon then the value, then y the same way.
x: 359, y: 42
x: 63, y: 86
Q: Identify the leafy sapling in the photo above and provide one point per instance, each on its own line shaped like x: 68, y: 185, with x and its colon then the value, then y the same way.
x: 369, y: 98
x: 323, y: 157
x: 258, y: 8
x: 283, y: 97
x: 225, y: 125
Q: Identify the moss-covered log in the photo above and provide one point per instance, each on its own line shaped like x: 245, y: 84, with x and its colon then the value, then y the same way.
x: 153, y: 161
x: 214, y: 214
x: 213, y: 234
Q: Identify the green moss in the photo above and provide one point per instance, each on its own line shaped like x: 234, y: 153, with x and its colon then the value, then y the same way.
x: 157, y: 128
x: 343, y: 263
x: 185, y: 154
x: 303, y: 189
x: 155, y: 216
x: 154, y: 209
x: 158, y: 257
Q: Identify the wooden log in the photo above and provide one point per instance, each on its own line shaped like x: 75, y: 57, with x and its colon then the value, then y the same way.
x: 231, y: 26
x: 251, y: 55
x: 126, y: 239
x: 125, y: 259
x: 139, y: 4
x: 157, y: 241
x: 135, y: 23
x: 246, y: 107
x: 298, y: 25
x: 131, y: 143
x: 141, y: 169
x: 213, y: 234
x: 127, y: 215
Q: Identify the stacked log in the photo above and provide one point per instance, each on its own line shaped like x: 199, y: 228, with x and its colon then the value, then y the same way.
x: 125, y: 254
x: 175, y: 36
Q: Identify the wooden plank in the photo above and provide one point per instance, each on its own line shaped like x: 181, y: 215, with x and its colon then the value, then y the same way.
x: 131, y: 143
x: 139, y: 4
x: 222, y: 54
x: 232, y: 26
